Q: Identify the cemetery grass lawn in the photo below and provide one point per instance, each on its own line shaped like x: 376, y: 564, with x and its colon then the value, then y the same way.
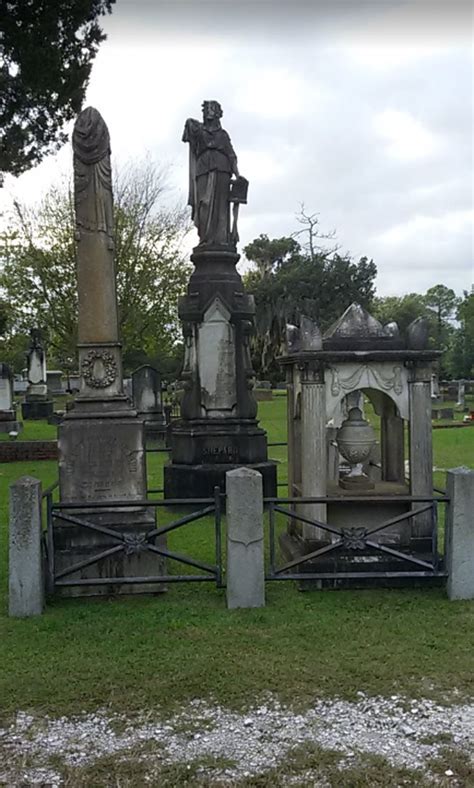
x: 158, y: 652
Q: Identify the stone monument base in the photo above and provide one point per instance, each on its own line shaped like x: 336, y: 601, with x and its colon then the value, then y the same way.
x: 204, y: 450
x: 8, y: 422
x: 102, y: 460
x: 155, y: 431
x: 199, y: 481
x: 37, y: 409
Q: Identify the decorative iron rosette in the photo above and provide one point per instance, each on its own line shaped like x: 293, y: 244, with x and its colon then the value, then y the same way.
x: 354, y: 538
x: 104, y: 360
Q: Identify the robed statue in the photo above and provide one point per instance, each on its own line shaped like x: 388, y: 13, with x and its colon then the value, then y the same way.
x: 92, y: 176
x: 212, y: 163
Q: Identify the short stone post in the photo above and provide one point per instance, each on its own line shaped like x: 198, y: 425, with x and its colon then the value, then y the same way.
x: 460, y: 534
x: 245, y: 555
x: 26, y: 581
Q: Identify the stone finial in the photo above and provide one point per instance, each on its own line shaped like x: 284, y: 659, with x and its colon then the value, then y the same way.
x: 292, y: 338
x: 391, y: 329
x: 418, y: 334
x: 310, y: 334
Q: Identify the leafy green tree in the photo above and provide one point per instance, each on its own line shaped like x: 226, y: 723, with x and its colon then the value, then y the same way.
x: 462, y: 354
x: 297, y: 281
x: 267, y: 255
x: 46, y: 55
x: 402, y: 309
x: 38, y: 267
x: 443, y: 302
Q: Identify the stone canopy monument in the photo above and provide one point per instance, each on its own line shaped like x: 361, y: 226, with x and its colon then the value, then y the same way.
x: 218, y: 430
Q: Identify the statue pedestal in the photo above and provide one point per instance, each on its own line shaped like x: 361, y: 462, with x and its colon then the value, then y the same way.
x: 203, y: 451
x: 219, y: 430
x: 37, y: 409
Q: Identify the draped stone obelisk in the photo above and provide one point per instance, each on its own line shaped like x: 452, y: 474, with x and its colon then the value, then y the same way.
x: 218, y: 430
x: 101, y: 440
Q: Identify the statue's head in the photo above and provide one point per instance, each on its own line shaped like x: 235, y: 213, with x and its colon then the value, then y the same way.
x: 211, y: 110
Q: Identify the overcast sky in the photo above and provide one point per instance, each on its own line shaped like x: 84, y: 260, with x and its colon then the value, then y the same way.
x: 361, y: 110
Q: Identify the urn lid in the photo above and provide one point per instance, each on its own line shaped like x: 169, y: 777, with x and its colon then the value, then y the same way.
x: 355, y: 418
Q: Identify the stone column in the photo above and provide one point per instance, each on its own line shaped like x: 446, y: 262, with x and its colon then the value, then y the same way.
x: 26, y: 581
x: 100, y: 361
x: 290, y: 426
x: 460, y: 534
x: 245, y: 544
x: 392, y: 444
x: 313, y: 447
x: 421, y: 444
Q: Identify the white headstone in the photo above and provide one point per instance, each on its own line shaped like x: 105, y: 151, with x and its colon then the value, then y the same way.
x: 5, y: 394
x: 36, y: 367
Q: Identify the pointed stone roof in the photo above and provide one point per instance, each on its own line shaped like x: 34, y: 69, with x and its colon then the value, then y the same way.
x: 356, y: 328
x: 355, y: 322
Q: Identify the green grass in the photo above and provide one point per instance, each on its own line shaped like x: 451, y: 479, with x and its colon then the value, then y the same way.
x: 133, y: 653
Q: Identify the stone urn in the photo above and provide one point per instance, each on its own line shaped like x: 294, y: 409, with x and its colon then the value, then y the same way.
x: 355, y: 440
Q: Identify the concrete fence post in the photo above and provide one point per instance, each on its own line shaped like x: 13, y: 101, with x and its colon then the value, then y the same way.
x: 460, y: 533
x: 26, y: 581
x: 245, y: 549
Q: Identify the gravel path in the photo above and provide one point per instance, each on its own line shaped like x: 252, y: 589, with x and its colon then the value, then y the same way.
x: 401, y: 730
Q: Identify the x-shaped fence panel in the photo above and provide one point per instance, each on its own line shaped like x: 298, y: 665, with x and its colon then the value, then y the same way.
x: 131, y: 543
x: 354, y: 540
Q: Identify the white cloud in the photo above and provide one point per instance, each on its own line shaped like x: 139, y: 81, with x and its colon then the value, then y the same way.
x: 365, y: 113
x: 406, y: 137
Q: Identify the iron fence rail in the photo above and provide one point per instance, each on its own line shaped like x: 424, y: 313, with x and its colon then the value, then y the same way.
x: 352, y: 540
x: 75, y: 513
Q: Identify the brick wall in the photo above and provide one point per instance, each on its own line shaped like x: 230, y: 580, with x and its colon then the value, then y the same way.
x: 16, y: 451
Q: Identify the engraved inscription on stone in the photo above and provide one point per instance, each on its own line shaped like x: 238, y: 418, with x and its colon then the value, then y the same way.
x: 217, y: 361
x: 108, y: 466
x: 220, y: 454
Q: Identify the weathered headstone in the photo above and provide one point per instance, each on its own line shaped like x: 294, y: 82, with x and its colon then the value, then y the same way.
x: 26, y: 581
x: 460, y: 533
x: 37, y: 404
x: 446, y: 413
x: 54, y: 381
x: 8, y: 422
x: 147, y: 399
x: 461, y: 394
x: 434, y: 387
x: 245, y: 543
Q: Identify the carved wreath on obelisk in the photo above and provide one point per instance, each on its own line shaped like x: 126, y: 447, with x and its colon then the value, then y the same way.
x: 103, y: 359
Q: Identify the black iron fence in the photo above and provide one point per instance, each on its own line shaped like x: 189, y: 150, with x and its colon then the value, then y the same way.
x: 81, y: 515
x: 356, y: 544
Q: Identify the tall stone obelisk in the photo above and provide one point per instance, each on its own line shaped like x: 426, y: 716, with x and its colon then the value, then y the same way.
x: 218, y: 430
x: 101, y: 445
